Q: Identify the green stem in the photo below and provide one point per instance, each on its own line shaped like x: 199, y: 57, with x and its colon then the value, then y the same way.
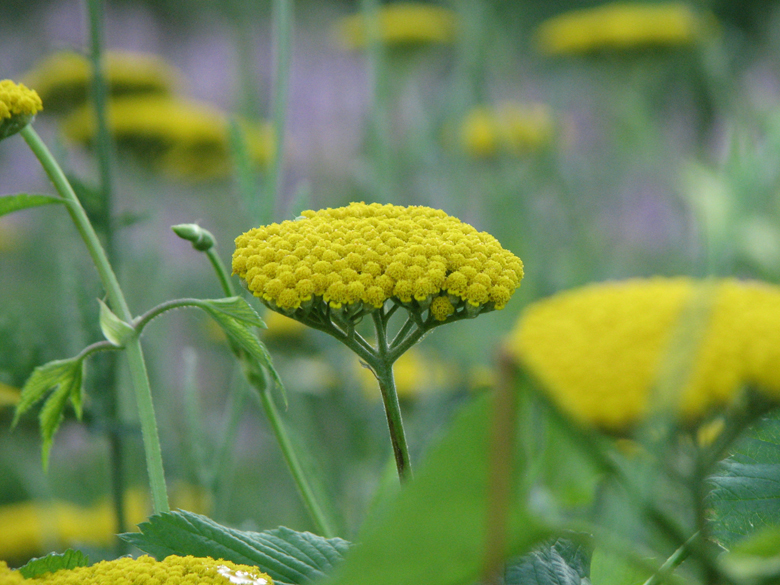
x: 258, y: 381
x: 134, y: 352
x: 283, y: 34
x: 222, y: 274
x: 105, y: 223
x: 380, y: 117
x: 383, y: 368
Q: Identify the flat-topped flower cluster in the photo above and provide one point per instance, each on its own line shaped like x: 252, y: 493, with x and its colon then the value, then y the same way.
x: 173, y: 569
x: 363, y: 255
x: 18, y: 106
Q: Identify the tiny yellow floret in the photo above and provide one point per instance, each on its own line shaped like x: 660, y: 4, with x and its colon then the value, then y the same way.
x: 18, y: 106
x: 356, y: 258
x: 401, y: 24
x: 604, y: 352
x: 622, y: 25
x: 172, y: 570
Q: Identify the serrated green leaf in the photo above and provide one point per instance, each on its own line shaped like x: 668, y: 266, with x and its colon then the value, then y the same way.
x: 434, y: 531
x: 11, y: 203
x: 43, y: 378
x: 66, y: 378
x: 559, y: 563
x: 239, y: 332
x: 289, y: 557
x: 70, y: 559
x: 116, y: 331
x: 237, y: 308
x: 746, y: 488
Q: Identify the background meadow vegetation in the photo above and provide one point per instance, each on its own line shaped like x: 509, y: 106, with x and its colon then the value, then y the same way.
x: 605, y: 164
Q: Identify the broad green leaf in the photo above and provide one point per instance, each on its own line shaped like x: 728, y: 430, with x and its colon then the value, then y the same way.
x: 434, y: 531
x: 610, y: 568
x: 237, y: 308
x: 559, y: 563
x: 70, y: 559
x: 746, y: 488
x: 11, y: 203
x: 289, y: 557
x: 114, y: 329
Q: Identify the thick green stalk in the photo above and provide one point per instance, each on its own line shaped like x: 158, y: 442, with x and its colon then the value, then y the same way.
x: 134, y: 352
x: 383, y: 368
x: 283, y: 37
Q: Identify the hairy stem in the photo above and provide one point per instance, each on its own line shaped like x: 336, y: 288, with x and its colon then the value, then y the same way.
x: 134, y: 352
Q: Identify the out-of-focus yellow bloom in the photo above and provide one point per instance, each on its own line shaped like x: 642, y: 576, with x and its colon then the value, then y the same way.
x: 401, y: 24
x: 622, y: 25
x: 9, y: 395
x: 415, y: 373
x: 510, y: 128
x: 357, y: 257
x: 30, y: 528
x: 172, y: 570
x: 280, y: 326
x: 185, y: 138
x: 63, y: 79
x: 604, y: 351
x: 18, y: 106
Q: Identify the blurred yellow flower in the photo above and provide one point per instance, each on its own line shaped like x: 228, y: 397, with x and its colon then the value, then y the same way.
x: 401, y: 23
x: 172, y: 570
x: 31, y: 528
x: 416, y: 372
x: 63, y: 79
x: 604, y: 351
x: 184, y: 138
x: 510, y: 128
x: 18, y: 106
x: 9, y: 395
x: 281, y: 326
x: 622, y: 25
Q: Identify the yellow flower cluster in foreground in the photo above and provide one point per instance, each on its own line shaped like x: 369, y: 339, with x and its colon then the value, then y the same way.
x: 603, y: 351
x: 402, y: 23
x: 63, y: 79
x: 512, y: 128
x: 363, y: 255
x: 185, y: 138
x: 172, y: 570
x: 621, y: 25
x: 18, y: 106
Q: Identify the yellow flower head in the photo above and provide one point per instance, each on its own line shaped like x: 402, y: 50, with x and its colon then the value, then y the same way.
x: 184, y: 138
x: 18, y: 106
x: 512, y: 128
x: 63, y: 79
x: 401, y: 23
x: 602, y: 351
x: 356, y: 258
x: 172, y: 570
x: 622, y: 25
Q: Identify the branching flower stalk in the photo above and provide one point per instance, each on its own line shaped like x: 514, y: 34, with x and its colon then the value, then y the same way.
x: 137, y: 365
x: 331, y: 268
x: 203, y: 241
